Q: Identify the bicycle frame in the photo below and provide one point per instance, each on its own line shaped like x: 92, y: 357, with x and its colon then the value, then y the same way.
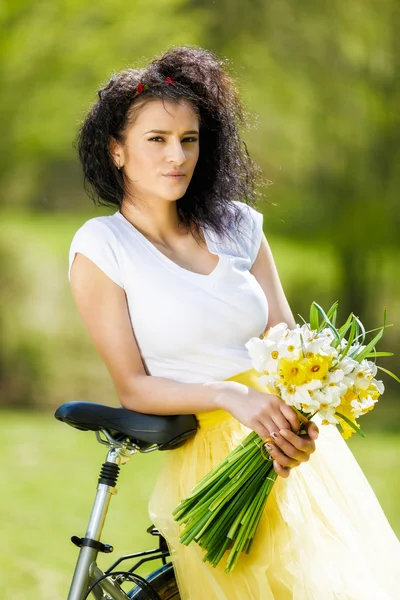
x: 86, y: 570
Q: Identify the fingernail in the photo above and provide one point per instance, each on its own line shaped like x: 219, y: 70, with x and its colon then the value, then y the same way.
x: 269, y: 446
x: 274, y: 435
x: 283, y: 432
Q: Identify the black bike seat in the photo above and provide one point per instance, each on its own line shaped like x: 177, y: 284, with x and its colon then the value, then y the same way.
x: 168, y: 431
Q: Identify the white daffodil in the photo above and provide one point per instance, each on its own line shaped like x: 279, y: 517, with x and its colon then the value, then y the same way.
x: 270, y: 351
x: 328, y: 333
x: 287, y: 349
x: 356, y: 349
x: 362, y: 406
x: 328, y: 417
x: 363, y: 375
x: 277, y: 332
x: 320, y: 345
x: 296, y: 335
x: 372, y: 368
x: 314, y: 384
x: 298, y: 397
x: 269, y: 381
x: 329, y: 396
x: 348, y: 365
x: 336, y: 375
x: 337, y: 382
x: 258, y: 353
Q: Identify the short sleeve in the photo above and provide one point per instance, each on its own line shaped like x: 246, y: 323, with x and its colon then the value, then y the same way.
x: 245, y: 234
x: 250, y: 230
x: 98, y: 242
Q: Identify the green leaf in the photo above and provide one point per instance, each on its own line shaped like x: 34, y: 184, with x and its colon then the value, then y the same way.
x: 376, y: 354
x: 303, y: 348
x: 350, y: 339
x: 314, y: 317
x: 327, y: 322
x: 361, y: 326
x: 332, y: 312
x: 357, y: 429
x: 303, y: 319
x: 389, y: 373
x: 344, y: 329
x: 369, y: 347
x: 379, y: 328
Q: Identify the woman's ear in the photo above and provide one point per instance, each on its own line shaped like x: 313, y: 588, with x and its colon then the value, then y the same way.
x: 116, y: 153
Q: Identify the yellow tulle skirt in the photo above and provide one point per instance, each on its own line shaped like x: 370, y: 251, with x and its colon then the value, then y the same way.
x: 322, y: 536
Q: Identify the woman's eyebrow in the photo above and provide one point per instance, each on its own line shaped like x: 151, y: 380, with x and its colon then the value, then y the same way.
x: 169, y: 132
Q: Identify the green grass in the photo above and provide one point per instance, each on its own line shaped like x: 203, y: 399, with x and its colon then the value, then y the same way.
x: 49, y: 479
x: 49, y: 475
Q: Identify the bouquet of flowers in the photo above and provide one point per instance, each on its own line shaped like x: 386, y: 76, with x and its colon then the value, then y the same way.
x: 314, y: 368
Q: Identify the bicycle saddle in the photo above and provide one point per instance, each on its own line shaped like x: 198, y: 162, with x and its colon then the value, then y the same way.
x: 167, y: 431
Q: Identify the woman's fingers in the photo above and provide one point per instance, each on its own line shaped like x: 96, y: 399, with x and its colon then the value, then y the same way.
x: 281, y: 471
x: 312, y: 430
x: 288, y: 449
x: 304, y: 443
x: 291, y: 417
x: 281, y: 457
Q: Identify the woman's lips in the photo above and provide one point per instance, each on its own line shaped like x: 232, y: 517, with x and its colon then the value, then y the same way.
x: 175, y: 176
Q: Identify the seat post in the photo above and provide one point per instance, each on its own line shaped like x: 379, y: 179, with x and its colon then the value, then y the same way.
x: 90, y: 544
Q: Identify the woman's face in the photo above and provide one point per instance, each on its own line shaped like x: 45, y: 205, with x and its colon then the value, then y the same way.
x: 164, y: 138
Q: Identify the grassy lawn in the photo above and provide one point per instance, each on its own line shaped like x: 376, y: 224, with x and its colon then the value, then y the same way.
x: 50, y: 475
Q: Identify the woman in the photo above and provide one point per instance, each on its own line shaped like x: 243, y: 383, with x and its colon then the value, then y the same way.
x: 170, y: 287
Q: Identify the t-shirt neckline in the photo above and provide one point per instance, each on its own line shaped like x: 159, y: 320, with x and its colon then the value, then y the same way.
x: 173, y: 265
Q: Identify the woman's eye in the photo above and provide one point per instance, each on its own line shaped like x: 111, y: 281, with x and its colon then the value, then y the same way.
x: 189, y: 139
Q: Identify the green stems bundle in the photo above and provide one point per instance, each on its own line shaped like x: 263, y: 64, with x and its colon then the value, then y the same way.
x: 224, y: 509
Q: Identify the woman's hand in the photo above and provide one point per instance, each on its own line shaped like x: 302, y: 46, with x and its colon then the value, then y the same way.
x: 263, y: 413
x: 289, y: 449
x: 270, y: 416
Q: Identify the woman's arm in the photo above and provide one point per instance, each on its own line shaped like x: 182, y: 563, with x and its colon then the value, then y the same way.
x: 103, y: 307
x: 286, y: 444
x: 266, y: 273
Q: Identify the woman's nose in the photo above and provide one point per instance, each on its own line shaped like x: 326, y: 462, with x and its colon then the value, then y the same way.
x: 176, y: 152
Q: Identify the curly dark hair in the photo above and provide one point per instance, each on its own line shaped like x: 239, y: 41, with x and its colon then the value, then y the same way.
x: 224, y: 171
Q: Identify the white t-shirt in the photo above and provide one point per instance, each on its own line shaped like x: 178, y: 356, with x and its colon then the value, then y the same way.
x: 189, y: 327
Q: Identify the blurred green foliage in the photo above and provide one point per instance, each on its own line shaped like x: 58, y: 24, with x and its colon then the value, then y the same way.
x: 320, y: 82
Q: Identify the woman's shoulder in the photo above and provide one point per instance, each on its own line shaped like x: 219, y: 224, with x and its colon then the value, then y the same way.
x: 97, y: 238
x: 249, y: 217
x: 244, y: 229
x: 104, y: 226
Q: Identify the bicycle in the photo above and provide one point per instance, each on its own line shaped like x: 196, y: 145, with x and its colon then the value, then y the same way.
x: 125, y: 433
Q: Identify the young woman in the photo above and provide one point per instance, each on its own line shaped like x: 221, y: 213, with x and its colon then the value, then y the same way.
x: 170, y: 287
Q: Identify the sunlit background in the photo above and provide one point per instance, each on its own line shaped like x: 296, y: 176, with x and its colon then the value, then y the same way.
x: 320, y: 81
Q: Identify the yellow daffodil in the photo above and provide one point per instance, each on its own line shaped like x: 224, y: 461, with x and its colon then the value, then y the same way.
x: 292, y: 372
x: 317, y: 367
x: 346, y: 409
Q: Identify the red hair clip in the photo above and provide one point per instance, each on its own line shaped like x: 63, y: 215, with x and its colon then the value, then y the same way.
x: 141, y: 87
